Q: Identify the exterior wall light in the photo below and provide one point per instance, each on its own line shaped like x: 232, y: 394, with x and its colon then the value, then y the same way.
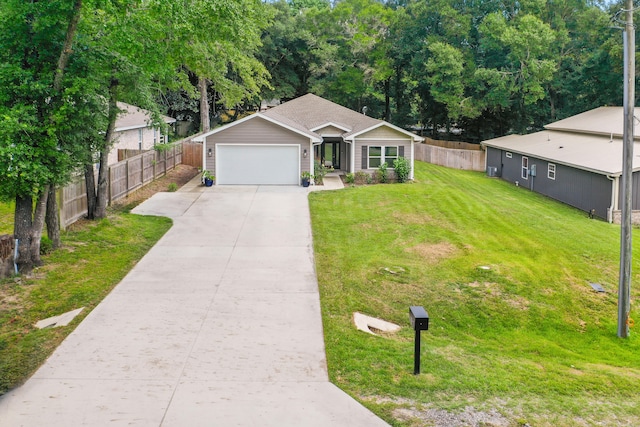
x: 304, y: 153
x: 209, y: 152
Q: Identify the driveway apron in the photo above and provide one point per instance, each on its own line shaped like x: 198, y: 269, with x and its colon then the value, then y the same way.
x: 218, y: 325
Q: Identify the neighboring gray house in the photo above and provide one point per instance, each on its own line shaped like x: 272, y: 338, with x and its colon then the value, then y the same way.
x: 134, y: 131
x: 275, y: 146
x: 577, y: 161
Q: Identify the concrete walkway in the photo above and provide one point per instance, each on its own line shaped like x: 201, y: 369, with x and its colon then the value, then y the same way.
x: 218, y: 325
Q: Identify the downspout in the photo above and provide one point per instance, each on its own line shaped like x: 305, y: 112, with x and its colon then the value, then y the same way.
x: 485, y: 159
x: 412, y: 159
x: 15, y: 256
x: 204, y: 158
x: 614, y: 197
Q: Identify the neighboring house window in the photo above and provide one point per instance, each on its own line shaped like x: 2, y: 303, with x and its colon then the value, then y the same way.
x: 139, y: 139
x: 378, y: 155
x: 525, y: 167
x: 551, y: 171
x: 155, y: 136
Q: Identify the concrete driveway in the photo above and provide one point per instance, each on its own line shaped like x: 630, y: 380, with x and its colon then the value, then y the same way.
x: 218, y: 325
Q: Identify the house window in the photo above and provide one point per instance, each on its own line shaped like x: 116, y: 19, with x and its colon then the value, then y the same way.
x: 139, y: 139
x: 525, y: 167
x: 509, y: 155
x: 155, y: 136
x: 551, y: 171
x: 375, y: 157
x: 390, y: 155
x: 378, y: 155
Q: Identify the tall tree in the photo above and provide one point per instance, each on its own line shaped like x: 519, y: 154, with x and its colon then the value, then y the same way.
x: 35, y: 45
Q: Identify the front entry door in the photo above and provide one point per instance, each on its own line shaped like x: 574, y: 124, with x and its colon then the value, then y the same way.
x: 331, y: 153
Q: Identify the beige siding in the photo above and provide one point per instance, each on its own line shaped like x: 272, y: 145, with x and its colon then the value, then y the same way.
x: 258, y: 131
x: 330, y: 131
x: 383, y: 132
x: 406, y: 143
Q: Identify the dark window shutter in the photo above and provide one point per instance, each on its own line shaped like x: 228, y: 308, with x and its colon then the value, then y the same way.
x: 365, y: 157
x: 401, y: 151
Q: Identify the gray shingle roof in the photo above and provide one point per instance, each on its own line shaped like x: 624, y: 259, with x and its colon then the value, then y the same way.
x: 591, y: 141
x: 310, y: 111
x: 133, y: 117
x: 600, y: 121
x: 313, y: 112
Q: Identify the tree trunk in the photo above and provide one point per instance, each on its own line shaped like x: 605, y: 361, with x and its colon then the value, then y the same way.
x: 103, y: 186
x: 28, y: 225
x: 103, y: 182
x: 205, y: 121
x: 63, y: 59
x: 387, y: 100
x: 90, y: 184
x: 52, y: 218
x: 23, y: 223
x: 38, y: 226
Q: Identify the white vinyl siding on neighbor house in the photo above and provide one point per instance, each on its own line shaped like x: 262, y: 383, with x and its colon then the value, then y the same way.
x: 525, y: 168
x: 380, y: 154
x: 130, y: 140
x: 551, y: 171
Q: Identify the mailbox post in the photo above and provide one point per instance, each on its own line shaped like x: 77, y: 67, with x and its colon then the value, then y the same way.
x: 419, y: 322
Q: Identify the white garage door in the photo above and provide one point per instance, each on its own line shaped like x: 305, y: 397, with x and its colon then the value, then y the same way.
x: 258, y: 164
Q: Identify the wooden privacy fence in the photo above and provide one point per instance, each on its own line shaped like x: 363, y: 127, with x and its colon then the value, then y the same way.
x: 123, y: 178
x: 72, y: 201
x: 452, y: 158
x: 453, y: 144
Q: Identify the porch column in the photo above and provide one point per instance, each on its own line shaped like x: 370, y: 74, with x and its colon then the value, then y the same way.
x: 311, y: 157
x: 353, y: 156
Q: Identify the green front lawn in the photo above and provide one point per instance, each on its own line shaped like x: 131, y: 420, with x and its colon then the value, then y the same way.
x: 94, y: 258
x: 6, y: 218
x: 528, y: 337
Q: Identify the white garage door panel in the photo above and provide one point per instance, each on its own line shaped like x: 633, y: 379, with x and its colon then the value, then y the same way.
x: 258, y: 164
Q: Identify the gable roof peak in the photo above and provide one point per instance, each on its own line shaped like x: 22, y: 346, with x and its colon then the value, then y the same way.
x: 312, y: 111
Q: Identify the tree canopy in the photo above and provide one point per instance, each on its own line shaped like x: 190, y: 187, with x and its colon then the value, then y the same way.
x: 484, y: 68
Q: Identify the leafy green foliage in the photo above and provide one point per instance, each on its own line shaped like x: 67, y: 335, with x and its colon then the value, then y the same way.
x: 484, y: 68
x: 402, y: 169
x: 319, y: 172
x: 382, y: 173
x: 350, y: 178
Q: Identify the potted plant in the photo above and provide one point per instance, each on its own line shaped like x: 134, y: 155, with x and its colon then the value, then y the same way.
x: 306, y: 178
x: 207, y: 178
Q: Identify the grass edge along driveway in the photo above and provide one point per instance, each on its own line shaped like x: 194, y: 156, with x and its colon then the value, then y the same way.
x: 527, y: 339
x: 94, y: 257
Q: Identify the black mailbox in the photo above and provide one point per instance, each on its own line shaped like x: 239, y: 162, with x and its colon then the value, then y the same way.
x: 419, y: 318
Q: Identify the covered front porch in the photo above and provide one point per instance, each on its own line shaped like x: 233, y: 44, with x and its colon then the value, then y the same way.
x: 333, y: 152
